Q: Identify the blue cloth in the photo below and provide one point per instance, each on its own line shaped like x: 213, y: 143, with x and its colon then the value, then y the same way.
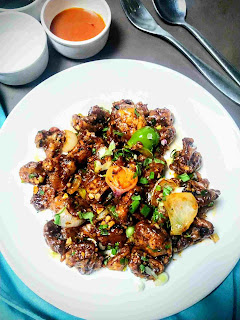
x: 18, y: 302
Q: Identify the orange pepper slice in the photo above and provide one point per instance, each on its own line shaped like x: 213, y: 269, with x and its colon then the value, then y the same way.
x: 120, y: 179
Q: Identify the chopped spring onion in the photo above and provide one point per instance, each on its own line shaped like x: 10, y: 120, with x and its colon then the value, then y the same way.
x: 151, y: 176
x: 120, y: 134
x: 57, y: 219
x: 144, y: 258
x: 184, y: 177
x: 147, y: 161
x: 32, y: 175
x: 158, y: 188
x: 142, y: 268
x: 161, y: 279
x: 138, y: 197
x: 108, y: 151
x: 41, y: 192
x: 136, y: 112
x: 124, y: 261
x: 143, y: 180
x: 150, y: 272
x: 134, y: 205
x: 159, y: 161
x: 130, y: 231
x: 145, y: 210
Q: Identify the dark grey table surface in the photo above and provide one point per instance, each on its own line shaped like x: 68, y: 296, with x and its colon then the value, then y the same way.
x: 217, y: 20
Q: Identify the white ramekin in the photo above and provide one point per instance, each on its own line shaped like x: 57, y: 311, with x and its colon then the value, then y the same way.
x: 24, y: 51
x: 76, y: 49
x: 33, y: 9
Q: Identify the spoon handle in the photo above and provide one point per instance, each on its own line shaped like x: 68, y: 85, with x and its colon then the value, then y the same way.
x: 233, y: 72
x: 227, y: 87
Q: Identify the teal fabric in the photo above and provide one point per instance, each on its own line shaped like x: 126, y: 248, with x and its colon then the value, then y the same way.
x: 2, y: 116
x: 18, y: 302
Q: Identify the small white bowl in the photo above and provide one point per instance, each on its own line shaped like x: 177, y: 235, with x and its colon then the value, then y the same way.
x: 33, y: 9
x: 77, y: 49
x: 24, y: 51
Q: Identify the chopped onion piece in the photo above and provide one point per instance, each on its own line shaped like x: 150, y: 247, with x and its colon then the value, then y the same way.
x: 150, y: 272
x: 69, y: 221
x: 70, y: 142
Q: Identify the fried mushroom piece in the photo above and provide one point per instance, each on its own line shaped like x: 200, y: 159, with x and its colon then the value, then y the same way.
x: 200, y: 229
x: 162, y: 117
x: 167, y: 135
x: 204, y: 196
x: 124, y: 204
x: 51, y: 141
x: 80, y: 152
x: 188, y: 160
x: 120, y: 260
x: 95, y: 121
x: 140, y: 263
x: 32, y: 172
x: 126, y: 117
x: 43, y: 197
x: 95, y: 186
x: 152, y: 240
x: 54, y: 238
x: 85, y: 257
x: 112, y: 235
x: 59, y: 171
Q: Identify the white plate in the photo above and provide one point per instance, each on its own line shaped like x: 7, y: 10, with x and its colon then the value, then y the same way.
x: 108, y: 294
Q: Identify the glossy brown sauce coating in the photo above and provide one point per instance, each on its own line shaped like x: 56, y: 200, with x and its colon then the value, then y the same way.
x: 92, y: 223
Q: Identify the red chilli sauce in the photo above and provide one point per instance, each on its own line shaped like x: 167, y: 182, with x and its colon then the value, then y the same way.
x: 77, y: 24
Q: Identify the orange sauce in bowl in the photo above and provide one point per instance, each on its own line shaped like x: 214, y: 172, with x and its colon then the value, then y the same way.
x: 77, y: 24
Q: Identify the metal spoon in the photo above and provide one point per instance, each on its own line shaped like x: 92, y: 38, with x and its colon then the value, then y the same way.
x: 174, y: 12
x: 141, y: 19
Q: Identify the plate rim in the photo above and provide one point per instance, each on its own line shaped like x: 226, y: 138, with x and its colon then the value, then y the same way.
x: 140, y: 62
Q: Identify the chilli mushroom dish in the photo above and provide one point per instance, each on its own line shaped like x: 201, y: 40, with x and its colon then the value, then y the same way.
x: 105, y: 183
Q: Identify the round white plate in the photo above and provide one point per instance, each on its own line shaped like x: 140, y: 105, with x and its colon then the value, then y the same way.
x: 109, y: 294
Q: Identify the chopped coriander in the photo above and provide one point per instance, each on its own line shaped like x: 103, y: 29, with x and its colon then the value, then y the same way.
x: 103, y: 226
x: 211, y: 204
x: 114, y: 251
x: 93, y: 150
x: 168, y: 246
x: 32, y: 175
x: 113, y: 212
x: 134, y: 205
x: 187, y: 235
x: 120, y: 134
x: 144, y: 258
x: 153, y: 121
x: 138, y: 169
x: 104, y: 232
x: 57, y: 219
x: 149, y: 136
x: 136, y: 112
x: 184, y: 177
x: 167, y: 190
x: 109, y: 150
x: 204, y: 192
x: 145, y: 210
x: 138, y: 197
x: 151, y: 176
x: 41, y: 192
x: 135, y: 175
x: 124, y: 261
x: 157, y: 215
x: 142, y: 268
x: 130, y: 231
x: 158, y: 188
x: 105, y: 129
x: 153, y: 250
x: 143, y: 180
x: 73, y: 253
x: 86, y: 215
x: 159, y: 161
x: 147, y: 161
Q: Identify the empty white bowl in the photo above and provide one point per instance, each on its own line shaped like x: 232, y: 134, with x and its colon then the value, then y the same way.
x: 76, y: 49
x: 24, y: 51
x: 33, y: 9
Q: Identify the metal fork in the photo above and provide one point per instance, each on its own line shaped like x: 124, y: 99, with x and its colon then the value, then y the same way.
x: 142, y: 19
